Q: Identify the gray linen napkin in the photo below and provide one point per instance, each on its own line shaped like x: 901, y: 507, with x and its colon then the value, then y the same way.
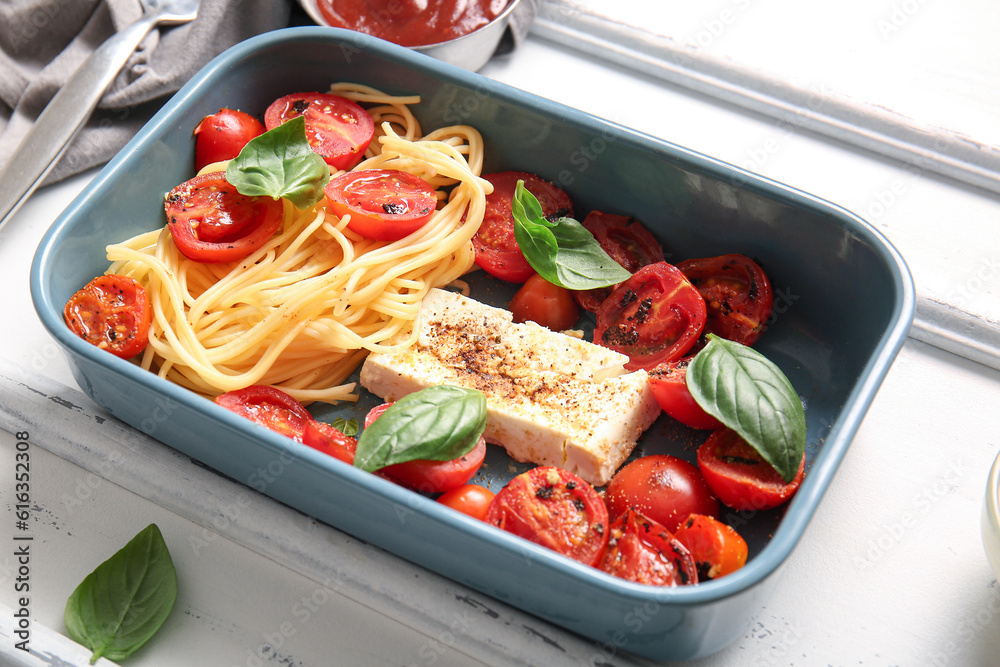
x: 42, y: 42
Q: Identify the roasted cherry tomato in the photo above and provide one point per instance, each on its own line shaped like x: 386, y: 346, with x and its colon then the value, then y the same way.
x: 662, y: 487
x: 113, y: 313
x: 470, y: 499
x: 556, y: 509
x: 645, y: 552
x: 626, y: 241
x: 429, y: 476
x: 543, y: 303
x: 337, y: 129
x: 270, y: 407
x: 497, y: 251
x: 329, y: 440
x: 654, y: 317
x: 738, y: 475
x: 212, y: 222
x: 737, y: 294
x: 384, y: 204
x: 716, y: 548
x: 221, y: 136
x: 669, y: 384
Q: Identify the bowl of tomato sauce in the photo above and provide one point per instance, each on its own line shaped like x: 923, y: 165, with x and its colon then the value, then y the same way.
x: 466, y: 33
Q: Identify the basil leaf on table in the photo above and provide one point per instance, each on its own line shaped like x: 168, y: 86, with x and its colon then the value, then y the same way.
x: 125, y: 600
x: 562, y: 251
x: 280, y: 163
x: 748, y: 393
x: 438, y: 423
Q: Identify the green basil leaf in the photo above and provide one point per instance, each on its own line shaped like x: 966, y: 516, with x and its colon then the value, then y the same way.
x: 280, y: 163
x: 562, y: 251
x: 438, y: 423
x: 348, y: 427
x: 748, y: 393
x: 122, y: 603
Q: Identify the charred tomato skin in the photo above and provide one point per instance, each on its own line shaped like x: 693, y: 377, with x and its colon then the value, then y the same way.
x: 654, y: 317
x: 641, y: 550
x: 737, y: 293
x: 555, y: 509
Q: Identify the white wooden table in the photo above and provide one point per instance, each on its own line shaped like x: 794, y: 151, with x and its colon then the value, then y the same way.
x: 890, y: 571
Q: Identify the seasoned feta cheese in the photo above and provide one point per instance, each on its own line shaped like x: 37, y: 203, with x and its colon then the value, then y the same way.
x: 552, y: 399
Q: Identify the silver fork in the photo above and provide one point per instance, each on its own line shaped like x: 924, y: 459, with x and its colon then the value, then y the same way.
x: 58, y: 124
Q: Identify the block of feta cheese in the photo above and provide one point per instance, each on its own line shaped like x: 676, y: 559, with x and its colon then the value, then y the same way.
x: 552, y: 399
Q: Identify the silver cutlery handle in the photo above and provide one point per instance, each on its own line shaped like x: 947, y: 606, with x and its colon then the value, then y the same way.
x: 65, y: 115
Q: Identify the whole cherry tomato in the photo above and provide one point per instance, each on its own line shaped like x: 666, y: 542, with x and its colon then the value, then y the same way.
x: 470, y: 499
x: 663, y: 488
x: 546, y: 304
x: 221, y: 136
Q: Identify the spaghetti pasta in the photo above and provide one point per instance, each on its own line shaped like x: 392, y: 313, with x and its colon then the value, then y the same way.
x: 304, y: 309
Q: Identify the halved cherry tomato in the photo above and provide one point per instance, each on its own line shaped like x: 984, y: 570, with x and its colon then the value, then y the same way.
x: 270, y: 407
x: 556, y: 509
x: 626, y: 241
x: 654, y: 317
x: 497, y: 251
x: 543, y: 303
x: 716, y: 548
x: 470, y: 499
x: 737, y: 294
x: 221, y: 136
x: 113, y: 313
x: 429, y: 476
x: 669, y: 384
x: 329, y: 440
x: 384, y: 204
x: 212, y: 222
x: 337, y: 129
x: 662, y: 487
x: 738, y: 475
x: 645, y: 552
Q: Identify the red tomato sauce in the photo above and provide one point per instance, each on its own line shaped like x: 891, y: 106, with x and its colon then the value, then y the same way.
x: 411, y: 22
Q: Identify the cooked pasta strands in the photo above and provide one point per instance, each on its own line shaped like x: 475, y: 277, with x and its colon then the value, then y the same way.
x: 305, y: 308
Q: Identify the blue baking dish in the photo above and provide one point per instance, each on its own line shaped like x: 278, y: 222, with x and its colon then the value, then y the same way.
x: 844, y: 303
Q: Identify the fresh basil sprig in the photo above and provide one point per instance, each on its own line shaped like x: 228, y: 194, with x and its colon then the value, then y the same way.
x: 280, y: 163
x: 748, y: 393
x: 125, y: 600
x: 562, y: 251
x: 438, y: 423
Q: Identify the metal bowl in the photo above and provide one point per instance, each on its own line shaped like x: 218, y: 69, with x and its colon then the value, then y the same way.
x: 471, y: 51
